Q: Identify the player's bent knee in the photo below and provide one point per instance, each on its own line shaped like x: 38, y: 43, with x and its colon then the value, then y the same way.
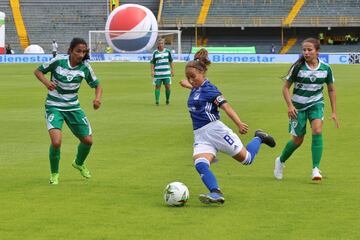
x: 56, y: 144
x: 241, y: 156
x: 298, y: 140
x: 87, y: 140
x: 317, y: 131
x: 208, y: 156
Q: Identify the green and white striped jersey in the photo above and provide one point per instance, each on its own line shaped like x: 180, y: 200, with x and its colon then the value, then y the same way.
x: 68, y: 80
x: 162, y: 61
x: 309, y: 85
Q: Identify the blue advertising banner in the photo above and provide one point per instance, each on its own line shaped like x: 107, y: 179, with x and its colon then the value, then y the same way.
x: 215, y: 58
x: 339, y: 58
x: 25, y: 58
x: 324, y: 58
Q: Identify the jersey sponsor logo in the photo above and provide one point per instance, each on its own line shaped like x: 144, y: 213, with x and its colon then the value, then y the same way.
x: 68, y: 73
x: 308, y: 87
x: 298, y: 85
x: 308, y: 74
x: 162, y: 60
x: 161, y: 55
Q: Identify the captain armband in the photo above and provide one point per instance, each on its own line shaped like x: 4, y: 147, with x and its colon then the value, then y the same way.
x: 220, y: 100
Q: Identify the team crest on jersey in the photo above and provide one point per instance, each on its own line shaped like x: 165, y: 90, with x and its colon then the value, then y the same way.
x: 312, y: 77
x: 196, y: 96
x: 70, y: 78
x: 50, y: 117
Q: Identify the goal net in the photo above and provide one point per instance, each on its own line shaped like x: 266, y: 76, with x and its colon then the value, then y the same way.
x: 132, y: 45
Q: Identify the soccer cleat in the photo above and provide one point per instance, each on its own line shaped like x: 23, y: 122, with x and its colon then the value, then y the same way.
x: 265, y: 138
x: 212, y: 197
x: 54, y: 178
x: 278, y: 171
x: 167, y: 102
x: 157, y: 104
x: 316, y: 176
x: 83, y: 170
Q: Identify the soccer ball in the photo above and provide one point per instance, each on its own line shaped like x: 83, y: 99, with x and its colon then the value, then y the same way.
x: 176, y: 194
x: 140, y: 25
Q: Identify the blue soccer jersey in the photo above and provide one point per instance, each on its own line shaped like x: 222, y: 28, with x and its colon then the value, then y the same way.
x: 203, y: 104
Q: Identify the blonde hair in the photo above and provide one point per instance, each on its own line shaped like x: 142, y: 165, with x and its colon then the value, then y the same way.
x: 161, y: 40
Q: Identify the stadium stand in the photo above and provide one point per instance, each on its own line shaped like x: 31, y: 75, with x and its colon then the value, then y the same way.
x: 61, y: 20
x: 180, y: 13
x: 248, y: 13
x: 251, y: 21
x: 329, y: 13
x: 234, y: 23
x: 150, y: 4
x: 231, y: 13
x: 340, y: 47
x: 10, y: 30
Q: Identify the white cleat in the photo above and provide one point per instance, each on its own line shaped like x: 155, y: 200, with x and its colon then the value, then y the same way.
x: 316, y: 176
x: 278, y: 171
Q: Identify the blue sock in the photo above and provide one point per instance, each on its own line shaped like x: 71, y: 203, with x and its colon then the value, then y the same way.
x: 202, y: 166
x: 253, y: 148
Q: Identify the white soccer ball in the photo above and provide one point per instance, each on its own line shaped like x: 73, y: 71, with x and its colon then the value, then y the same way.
x: 176, y: 194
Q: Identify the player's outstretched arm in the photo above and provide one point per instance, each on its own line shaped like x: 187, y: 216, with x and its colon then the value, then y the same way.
x: 243, y: 127
x: 185, y: 84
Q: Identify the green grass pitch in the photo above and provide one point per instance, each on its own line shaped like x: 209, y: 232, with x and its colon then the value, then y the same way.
x: 139, y: 148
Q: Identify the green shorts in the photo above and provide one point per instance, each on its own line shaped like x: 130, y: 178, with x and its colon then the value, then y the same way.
x: 158, y: 81
x: 297, y: 127
x: 76, y: 120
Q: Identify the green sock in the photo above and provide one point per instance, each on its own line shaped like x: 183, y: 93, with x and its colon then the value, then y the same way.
x: 83, y: 151
x: 288, y: 150
x: 54, y: 156
x: 167, y: 92
x: 316, y: 149
x: 157, y: 95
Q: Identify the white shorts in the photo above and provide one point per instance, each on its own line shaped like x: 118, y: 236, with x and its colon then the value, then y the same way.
x: 215, y: 137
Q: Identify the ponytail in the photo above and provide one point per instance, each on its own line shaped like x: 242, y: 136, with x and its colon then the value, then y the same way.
x: 201, y: 60
x: 294, y: 69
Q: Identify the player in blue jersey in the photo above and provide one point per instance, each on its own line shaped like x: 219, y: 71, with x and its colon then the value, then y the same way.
x: 210, y: 134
